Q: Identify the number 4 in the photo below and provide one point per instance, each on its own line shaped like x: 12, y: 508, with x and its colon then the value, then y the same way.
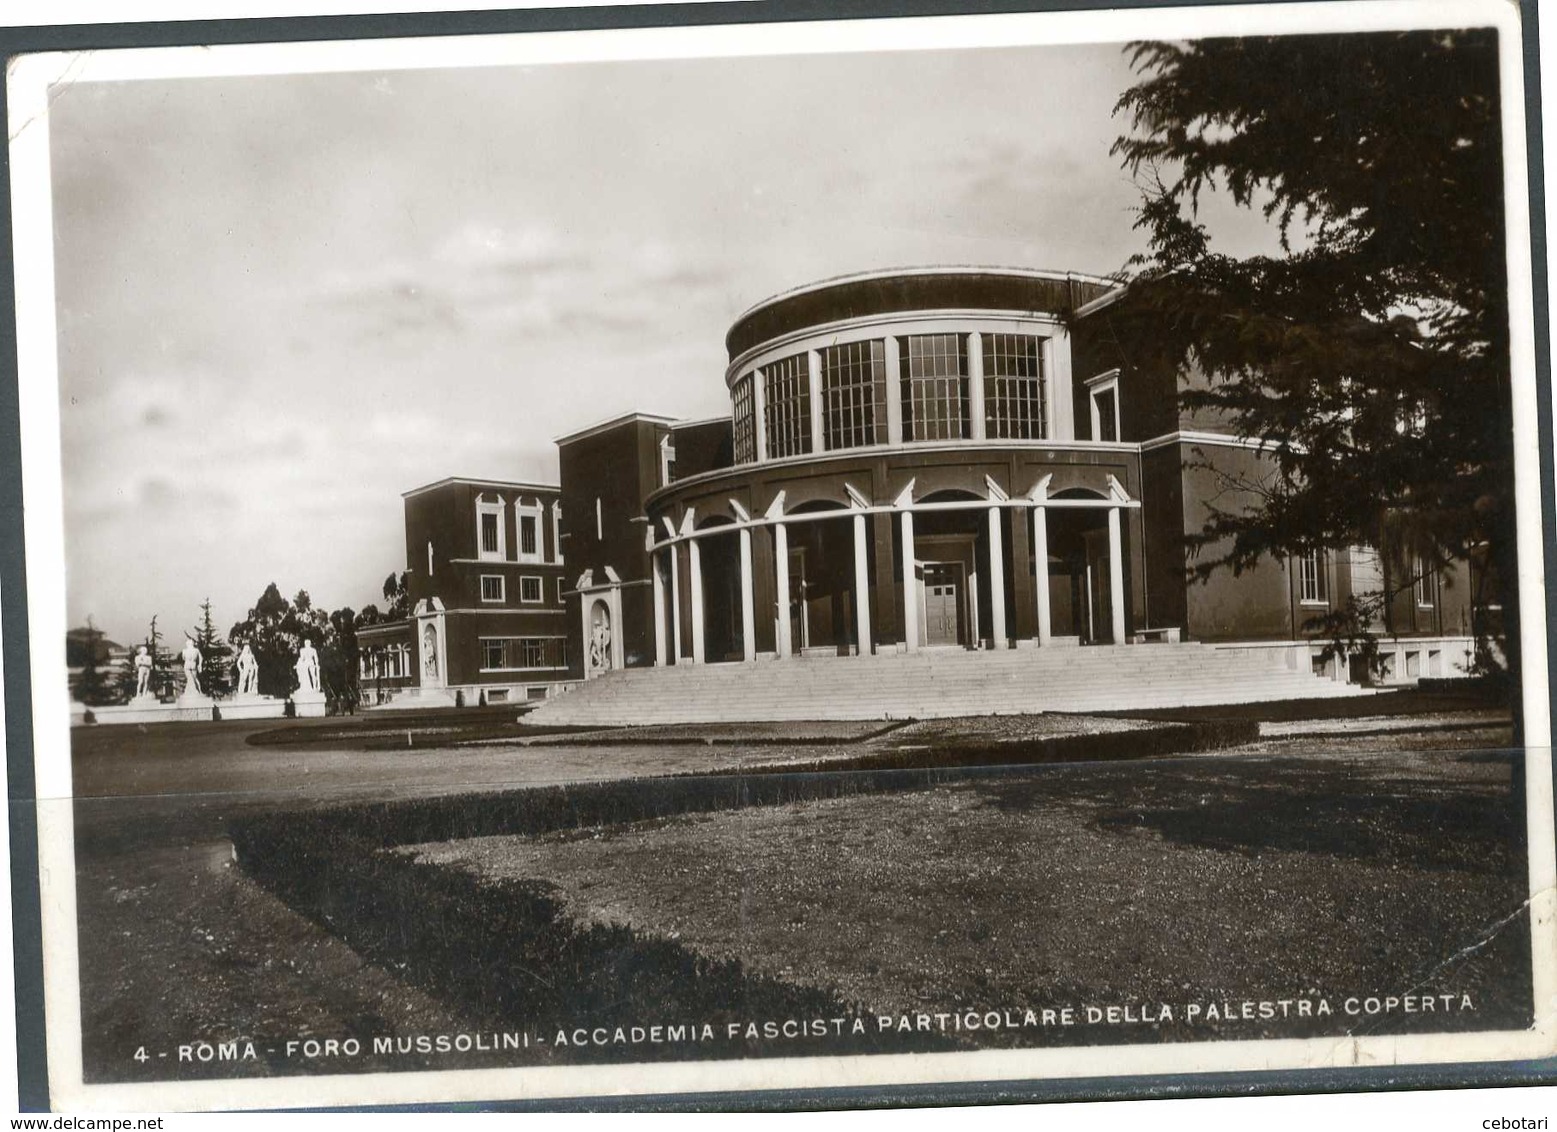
x: 141, y: 1054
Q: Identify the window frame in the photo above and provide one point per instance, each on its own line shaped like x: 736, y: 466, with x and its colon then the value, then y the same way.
x: 497, y: 511
x: 502, y: 589
x: 1105, y: 382
x: 1320, y: 561
x: 535, y: 512
x: 508, y: 649
x: 857, y: 420
x: 540, y: 589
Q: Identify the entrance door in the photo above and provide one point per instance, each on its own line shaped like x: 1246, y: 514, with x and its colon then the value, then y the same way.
x: 943, y: 603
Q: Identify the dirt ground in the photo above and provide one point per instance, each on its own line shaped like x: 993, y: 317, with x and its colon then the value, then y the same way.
x: 177, y: 946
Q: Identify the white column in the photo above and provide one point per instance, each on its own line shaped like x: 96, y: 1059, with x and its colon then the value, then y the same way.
x: 674, y: 553
x: 785, y: 641
x: 890, y: 348
x: 976, y: 385
x: 695, y: 584
x: 997, y: 584
x: 861, y: 586
x: 814, y: 385
x: 1041, y: 570
x: 1116, y: 576
x: 659, y: 609
x: 759, y: 410
x: 748, y: 620
x: 910, y: 588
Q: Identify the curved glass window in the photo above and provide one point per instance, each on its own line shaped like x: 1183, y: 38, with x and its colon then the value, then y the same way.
x: 934, y: 372
x: 1013, y: 387
x: 743, y: 421
x: 854, y: 394
x: 786, y: 390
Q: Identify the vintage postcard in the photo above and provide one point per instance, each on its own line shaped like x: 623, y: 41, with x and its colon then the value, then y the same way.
x: 784, y: 555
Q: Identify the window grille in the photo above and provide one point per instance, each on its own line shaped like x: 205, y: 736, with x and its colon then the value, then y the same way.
x: 744, y: 425
x: 786, y: 387
x: 1313, y: 583
x: 501, y: 653
x: 1013, y: 387
x: 934, y: 375
x: 854, y: 394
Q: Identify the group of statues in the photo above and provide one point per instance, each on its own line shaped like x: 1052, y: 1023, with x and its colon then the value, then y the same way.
x: 307, y: 669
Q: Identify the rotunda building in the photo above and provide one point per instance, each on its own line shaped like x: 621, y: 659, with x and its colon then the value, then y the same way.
x: 903, y: 472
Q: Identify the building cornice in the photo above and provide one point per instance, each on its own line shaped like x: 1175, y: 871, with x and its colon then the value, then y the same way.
x: 501, y: 485
x: 1215, y: 439
x: 612, y: 422
x: 878, y: 451
x: 900, y: 272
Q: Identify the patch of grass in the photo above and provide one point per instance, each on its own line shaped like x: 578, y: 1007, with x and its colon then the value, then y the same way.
x: 1406, y: 701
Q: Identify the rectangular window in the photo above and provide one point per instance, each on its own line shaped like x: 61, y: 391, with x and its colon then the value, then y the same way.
x: 492, y: 588
x: 786, y: 388
x: 527, y: 535
x: 1013, y: 387
x: 560, y: 599
x: 1313, y: 578
x: 489, y: 534
x: 744, y: 428
x: 934, y: 374
x: 510, y: 653
x: 529, y: 588
x: 854, y: 394
x: 1105, y: 407
x: 1426, y: 583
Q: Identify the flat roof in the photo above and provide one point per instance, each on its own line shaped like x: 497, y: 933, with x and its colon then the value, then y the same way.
x: 527, y: 485
x: 612, y: 422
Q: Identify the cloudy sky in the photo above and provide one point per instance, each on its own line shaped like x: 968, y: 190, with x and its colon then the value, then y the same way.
x: 284, y: 300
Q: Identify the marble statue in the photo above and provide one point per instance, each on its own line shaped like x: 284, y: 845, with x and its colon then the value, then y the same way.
x: 248, y: 673
x: 142, y: 673
x: 600, y: 648
x: 430, y: 653
x: 307, y: 668
x: 191, y: 656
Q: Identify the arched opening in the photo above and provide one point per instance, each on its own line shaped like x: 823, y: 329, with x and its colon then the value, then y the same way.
x: 1080, y: 594
x: 720, y: 557
x: 951, y: 571
x: 822, y: 601
x: 601, y: 640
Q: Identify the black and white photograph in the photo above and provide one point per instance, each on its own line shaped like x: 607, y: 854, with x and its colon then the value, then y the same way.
x: 725, y: 558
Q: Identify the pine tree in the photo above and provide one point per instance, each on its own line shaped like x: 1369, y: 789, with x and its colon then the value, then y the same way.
x: 92, y: 685
x: 216, y: 656
x: 1371, y: 355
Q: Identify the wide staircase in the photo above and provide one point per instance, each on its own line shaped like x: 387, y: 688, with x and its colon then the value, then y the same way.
x: 934, y: 684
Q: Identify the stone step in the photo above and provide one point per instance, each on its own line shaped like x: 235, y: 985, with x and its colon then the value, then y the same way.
x: 938, y: 684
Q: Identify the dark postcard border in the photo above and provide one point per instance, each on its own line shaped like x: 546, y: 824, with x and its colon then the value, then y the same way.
x: 26, y: 920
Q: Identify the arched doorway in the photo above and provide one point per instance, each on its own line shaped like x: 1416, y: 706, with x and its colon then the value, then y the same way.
x: 719, y: 555
x: 951, y: 564
x: 1079, y: 570
x: 822, y: 601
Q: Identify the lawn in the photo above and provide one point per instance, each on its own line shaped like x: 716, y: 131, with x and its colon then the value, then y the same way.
x: 1202, y: 881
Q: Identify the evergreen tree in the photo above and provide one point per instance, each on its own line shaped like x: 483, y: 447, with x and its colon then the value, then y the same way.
x: 216, y: 656
x: 1371, y: 354
x: 93, y: 686
x: 397, y: 592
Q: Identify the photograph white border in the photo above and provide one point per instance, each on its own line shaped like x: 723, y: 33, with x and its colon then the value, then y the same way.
x: 29, y: 80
